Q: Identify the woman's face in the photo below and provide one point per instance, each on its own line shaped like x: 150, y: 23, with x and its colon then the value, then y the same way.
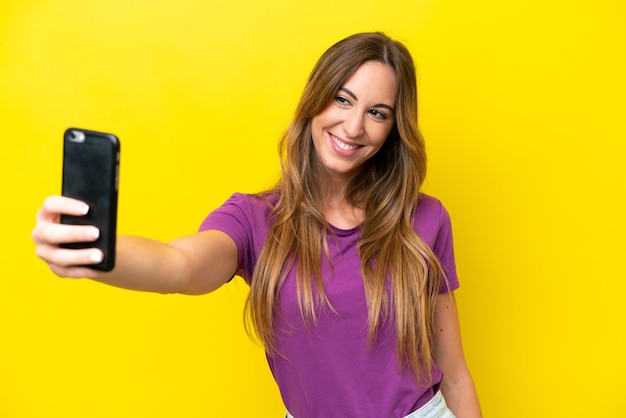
x: 355, y: 125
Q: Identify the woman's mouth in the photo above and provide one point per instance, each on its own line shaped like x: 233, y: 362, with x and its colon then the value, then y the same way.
x: 342, y: 145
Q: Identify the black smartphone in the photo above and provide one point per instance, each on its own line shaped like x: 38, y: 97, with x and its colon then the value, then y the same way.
x: 91, y: 162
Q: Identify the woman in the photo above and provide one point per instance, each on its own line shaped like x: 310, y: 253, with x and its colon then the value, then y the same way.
x: 351, y: 268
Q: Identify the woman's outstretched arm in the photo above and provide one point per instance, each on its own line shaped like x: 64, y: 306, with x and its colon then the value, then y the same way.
x: 195, y: 264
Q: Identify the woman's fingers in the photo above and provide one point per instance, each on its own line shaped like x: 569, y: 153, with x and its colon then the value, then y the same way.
x: 49, y: 230
x: 49, y: 234
x: 55, y: 233
x: 72, y: 263
x: 54, y: 206
x: 61, y: 258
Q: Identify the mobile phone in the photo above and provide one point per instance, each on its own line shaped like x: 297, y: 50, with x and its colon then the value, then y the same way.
x: 91, y: 162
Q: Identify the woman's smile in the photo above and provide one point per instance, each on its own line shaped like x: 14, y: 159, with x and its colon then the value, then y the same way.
x: 343, y: 145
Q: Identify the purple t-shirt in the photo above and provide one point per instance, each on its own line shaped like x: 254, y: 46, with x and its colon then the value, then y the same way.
x: 328, y: 369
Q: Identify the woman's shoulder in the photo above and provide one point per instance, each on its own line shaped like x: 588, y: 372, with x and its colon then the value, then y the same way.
x: 428, y: 204
x: 243, y: 209
x: 430, y: 215
x: 254, y: 201
x: 257, y: 208
x: 427, y: 199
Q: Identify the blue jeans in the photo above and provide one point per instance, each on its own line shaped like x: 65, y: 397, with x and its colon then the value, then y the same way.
x: 434, y: 408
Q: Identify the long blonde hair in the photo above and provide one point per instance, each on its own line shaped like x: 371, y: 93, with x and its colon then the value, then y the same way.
x: 387, y: 188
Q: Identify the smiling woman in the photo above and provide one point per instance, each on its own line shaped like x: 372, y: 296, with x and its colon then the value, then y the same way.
x: 351, y: 268
x: 357, y: 122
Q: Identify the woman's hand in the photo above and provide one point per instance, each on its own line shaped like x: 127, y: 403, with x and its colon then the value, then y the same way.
x: 49, y: 234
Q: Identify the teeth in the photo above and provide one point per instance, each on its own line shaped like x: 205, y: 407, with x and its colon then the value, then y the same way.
x: 343, y: 145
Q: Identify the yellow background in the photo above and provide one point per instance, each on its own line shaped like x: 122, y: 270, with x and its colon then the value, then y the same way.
x: 522, y: 106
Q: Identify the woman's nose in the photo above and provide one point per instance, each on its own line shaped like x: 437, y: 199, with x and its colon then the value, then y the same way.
x: 353, y: 124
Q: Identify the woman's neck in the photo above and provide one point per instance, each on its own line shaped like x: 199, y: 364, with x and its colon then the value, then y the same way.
x: 336, y: 208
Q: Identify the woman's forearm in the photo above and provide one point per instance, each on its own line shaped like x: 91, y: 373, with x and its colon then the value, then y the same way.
x: 461, y: 397
x: 146, y: 265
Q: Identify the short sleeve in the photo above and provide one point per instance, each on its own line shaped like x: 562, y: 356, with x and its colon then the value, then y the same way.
x: 432, y: 224
x: 237, y: 218
x: 444, y: 250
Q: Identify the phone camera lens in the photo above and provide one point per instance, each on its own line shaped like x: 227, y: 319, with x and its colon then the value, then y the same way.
x: 77, y: 136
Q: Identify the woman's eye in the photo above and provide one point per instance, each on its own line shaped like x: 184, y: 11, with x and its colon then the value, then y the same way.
x: 378, y: 114
x: 342, y: 100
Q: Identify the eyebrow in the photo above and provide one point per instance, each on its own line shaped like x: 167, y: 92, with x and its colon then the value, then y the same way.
x: 349, y: 93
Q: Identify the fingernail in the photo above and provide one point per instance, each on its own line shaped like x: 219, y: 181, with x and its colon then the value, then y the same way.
x: 83, y: 209
x: 95, y: 256
x: 93, y: 233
